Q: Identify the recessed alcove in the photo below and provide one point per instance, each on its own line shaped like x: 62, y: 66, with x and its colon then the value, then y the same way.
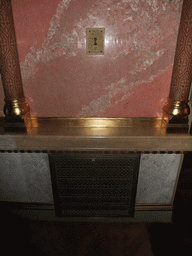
x: 25, y: 160
x: 62, y: 84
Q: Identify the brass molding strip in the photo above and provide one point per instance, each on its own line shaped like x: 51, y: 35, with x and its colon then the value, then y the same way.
x: 153, y: 207
x: 95, y: 151
x: 26, y: 206
x: 94, y: 122
x: 50, y: 206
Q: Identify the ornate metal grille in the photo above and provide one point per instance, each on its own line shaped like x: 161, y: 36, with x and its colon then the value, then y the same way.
x: 94, y: 184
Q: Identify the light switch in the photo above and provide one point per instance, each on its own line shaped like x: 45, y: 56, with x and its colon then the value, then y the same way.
x: 95, y: 40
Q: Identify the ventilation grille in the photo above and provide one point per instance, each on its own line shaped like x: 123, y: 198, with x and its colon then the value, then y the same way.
x: 94, y: 184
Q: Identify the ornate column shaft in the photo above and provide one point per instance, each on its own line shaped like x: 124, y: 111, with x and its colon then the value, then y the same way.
x: 176, y: 110
x: 16, y: 110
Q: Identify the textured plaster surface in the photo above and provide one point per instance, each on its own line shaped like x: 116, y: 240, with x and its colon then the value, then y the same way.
x: 132, y: 78
x: 25, y: 177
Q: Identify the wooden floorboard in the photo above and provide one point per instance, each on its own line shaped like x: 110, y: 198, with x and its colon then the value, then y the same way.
x: 91, y: 238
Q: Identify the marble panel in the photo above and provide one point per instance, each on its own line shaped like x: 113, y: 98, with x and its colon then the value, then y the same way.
x: 157, y: 178
x: 25, y: 177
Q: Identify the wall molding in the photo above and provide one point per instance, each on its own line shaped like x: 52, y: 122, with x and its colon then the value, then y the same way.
x: 46, y: 212
x: 50, y: 206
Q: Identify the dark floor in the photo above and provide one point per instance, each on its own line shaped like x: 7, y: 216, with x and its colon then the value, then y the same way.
x: 109, y: 239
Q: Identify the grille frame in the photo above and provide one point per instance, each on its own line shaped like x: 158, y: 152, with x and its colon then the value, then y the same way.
x: 89, y: 169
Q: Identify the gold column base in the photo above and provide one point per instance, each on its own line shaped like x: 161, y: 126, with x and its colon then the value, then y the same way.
x: 175, y: 117
x: 17, y: 116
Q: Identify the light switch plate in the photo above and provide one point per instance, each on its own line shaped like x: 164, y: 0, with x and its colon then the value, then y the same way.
x: 95, y: 41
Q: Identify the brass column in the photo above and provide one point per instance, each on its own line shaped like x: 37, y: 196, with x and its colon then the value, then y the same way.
x: 176, y: 110
x: 16, y: 110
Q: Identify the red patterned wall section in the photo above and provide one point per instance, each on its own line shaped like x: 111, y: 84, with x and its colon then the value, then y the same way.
x: 182, y: 70
x: 131, y: 79
x: 10, y: 69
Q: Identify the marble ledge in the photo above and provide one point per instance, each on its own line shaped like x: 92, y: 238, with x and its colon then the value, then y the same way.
x: 95, y: 134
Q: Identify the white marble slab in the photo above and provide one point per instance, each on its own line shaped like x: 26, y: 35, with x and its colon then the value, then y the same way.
x: 157, y: 178
x: 25, y: 177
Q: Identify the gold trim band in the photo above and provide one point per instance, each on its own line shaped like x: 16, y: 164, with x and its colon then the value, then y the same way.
x: 95, y: 122
x: 50, y: 206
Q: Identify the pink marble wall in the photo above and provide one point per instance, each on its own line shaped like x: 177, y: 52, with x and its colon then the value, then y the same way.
x: 132, y: 78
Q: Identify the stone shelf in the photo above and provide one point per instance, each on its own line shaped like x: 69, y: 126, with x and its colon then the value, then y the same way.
x: 95, y: 134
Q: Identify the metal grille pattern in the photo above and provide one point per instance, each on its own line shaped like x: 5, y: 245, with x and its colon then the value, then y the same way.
x: 94, y: 184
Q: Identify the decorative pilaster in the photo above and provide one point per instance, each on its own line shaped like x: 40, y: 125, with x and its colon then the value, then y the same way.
x: 176, y: 110
x: 16, y: 110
